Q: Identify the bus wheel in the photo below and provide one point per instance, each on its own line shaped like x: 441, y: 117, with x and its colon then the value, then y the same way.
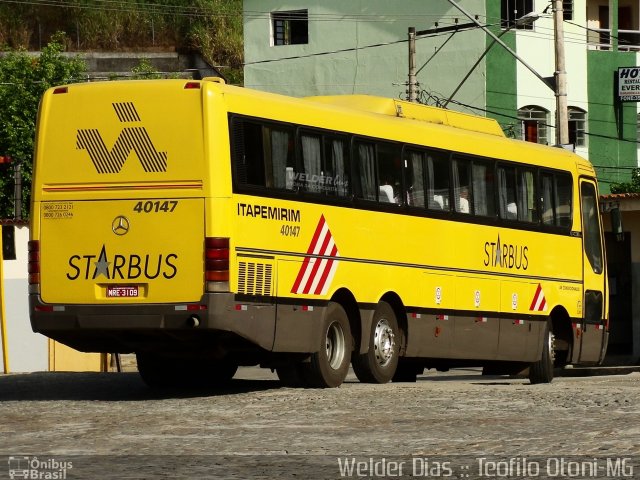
x: 542, y: 370
x: 329, y: 366
x: 379, y: 363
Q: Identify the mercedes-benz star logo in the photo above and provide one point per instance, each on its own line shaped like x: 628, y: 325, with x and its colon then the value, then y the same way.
x: 120, y: 225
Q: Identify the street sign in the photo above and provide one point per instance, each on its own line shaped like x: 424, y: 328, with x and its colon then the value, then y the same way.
x: 629, y: 84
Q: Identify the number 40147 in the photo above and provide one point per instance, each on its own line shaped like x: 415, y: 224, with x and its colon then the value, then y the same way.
x: 290, y: 231
x: 156, y: 206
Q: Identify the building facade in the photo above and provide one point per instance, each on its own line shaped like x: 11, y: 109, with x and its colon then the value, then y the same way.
x: 333, y: 47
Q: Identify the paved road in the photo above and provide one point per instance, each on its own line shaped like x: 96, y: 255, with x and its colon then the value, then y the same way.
x: 111, y: 425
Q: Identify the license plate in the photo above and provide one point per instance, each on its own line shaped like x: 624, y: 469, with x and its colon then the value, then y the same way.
x: 122, y: 291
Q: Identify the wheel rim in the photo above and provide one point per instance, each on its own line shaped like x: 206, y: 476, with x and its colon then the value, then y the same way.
x: 552, y: 345
x: 335, y: 345
x: 383, y: 342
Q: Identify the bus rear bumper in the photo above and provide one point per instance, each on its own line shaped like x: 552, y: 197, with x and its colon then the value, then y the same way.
x: 218, y: 317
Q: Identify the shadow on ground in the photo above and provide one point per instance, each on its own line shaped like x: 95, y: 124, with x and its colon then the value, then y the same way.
x: 53, y: 386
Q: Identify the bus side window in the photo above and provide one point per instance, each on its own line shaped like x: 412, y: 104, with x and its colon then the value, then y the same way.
x: 563, y: 200
x: 438, y: 181
x: 547, y: 196
x: 461, y: 185
x: 527, y: 210
x: 249, y: 157
x: 279, y: 158
x: 507, y: 193
x: 312, y: 164
x: 414, y: 174
x: 336, y: 167
x: 389, y: 173
x: 365, y: 179
x: 483, y: 189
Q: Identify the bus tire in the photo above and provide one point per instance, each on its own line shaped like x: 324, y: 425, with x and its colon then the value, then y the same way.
x: 542, y: 370
x: 328, y: 367
x: 379, y: 363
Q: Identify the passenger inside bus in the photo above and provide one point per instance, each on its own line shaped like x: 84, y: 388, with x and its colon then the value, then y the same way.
x: 463, y: 201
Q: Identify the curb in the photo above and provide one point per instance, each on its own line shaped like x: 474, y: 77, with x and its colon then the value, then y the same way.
x: 597, y: 371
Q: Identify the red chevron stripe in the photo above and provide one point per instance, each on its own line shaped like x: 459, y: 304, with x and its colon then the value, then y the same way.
x: 317, y: 263
x: 305, y: 263
x: 326, y: 271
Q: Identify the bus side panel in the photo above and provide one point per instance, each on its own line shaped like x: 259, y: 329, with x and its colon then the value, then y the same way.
x: 297, y: 325
x: 429, y: 334
x: 476, y: 336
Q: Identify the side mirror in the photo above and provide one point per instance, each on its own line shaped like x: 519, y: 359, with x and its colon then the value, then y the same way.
x: 616, y: 223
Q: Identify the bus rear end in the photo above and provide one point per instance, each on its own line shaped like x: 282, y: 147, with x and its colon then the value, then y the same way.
x: 117, y: 257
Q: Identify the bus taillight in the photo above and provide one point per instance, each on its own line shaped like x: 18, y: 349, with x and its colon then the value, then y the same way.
x: 217, y: 264
x: 34, y: 266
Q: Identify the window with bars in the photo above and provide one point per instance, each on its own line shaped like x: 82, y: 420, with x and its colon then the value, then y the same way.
x: 567, y: 9
x: 511, y: 10
x: 533, y: 124
x: 577, y: 126
x: 290, y: 27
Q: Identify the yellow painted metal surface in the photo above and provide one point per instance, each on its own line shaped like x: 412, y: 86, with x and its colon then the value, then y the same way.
x: 66, y: 359
x: 118, y: 203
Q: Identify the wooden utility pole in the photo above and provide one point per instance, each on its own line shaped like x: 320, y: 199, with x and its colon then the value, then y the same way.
x: 412, y: 92
x: 562, y: 113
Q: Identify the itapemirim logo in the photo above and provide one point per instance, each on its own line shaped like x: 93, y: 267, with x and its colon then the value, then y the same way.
x: 131, y: 138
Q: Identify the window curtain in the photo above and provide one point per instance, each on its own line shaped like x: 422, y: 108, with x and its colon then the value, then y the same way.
x: 502, y: 192
x: 480, y: 189
x: 432, y: 195
x: 279, y: 157
x: 416, y: 193
x: 366, y: 155
x: 547, y: 200
x: 340, y: 182
x: 312, y: 157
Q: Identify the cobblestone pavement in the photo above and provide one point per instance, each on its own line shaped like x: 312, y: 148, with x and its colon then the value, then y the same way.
x: 457, y: 413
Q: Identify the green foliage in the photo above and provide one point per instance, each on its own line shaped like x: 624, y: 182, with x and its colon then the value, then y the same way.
x: 23, y: 80
x: 144, y: 70
x: 628, y: 187
x: 212, y: 27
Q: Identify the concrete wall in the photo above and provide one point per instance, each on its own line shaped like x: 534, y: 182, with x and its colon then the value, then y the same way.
x: 368, y: 38
x: 28, y: 351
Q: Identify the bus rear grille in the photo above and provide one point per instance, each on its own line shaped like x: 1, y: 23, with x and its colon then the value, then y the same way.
x: 255, y: 278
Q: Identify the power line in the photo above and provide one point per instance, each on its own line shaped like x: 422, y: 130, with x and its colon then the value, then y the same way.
x: 597, y: 135
x: 351, y: 49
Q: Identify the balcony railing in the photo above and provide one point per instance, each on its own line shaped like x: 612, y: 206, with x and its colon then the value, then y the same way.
x: 600, y: 39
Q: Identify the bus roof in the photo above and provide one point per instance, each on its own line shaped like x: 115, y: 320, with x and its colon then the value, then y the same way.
x: 400, y: 108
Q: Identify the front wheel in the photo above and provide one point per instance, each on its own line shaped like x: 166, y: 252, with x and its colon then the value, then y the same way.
x: 379, y: 363
x: 542, y: 370
x: 328, y: 367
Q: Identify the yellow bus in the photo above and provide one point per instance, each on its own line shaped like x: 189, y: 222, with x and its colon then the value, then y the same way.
x: 205, y: 226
